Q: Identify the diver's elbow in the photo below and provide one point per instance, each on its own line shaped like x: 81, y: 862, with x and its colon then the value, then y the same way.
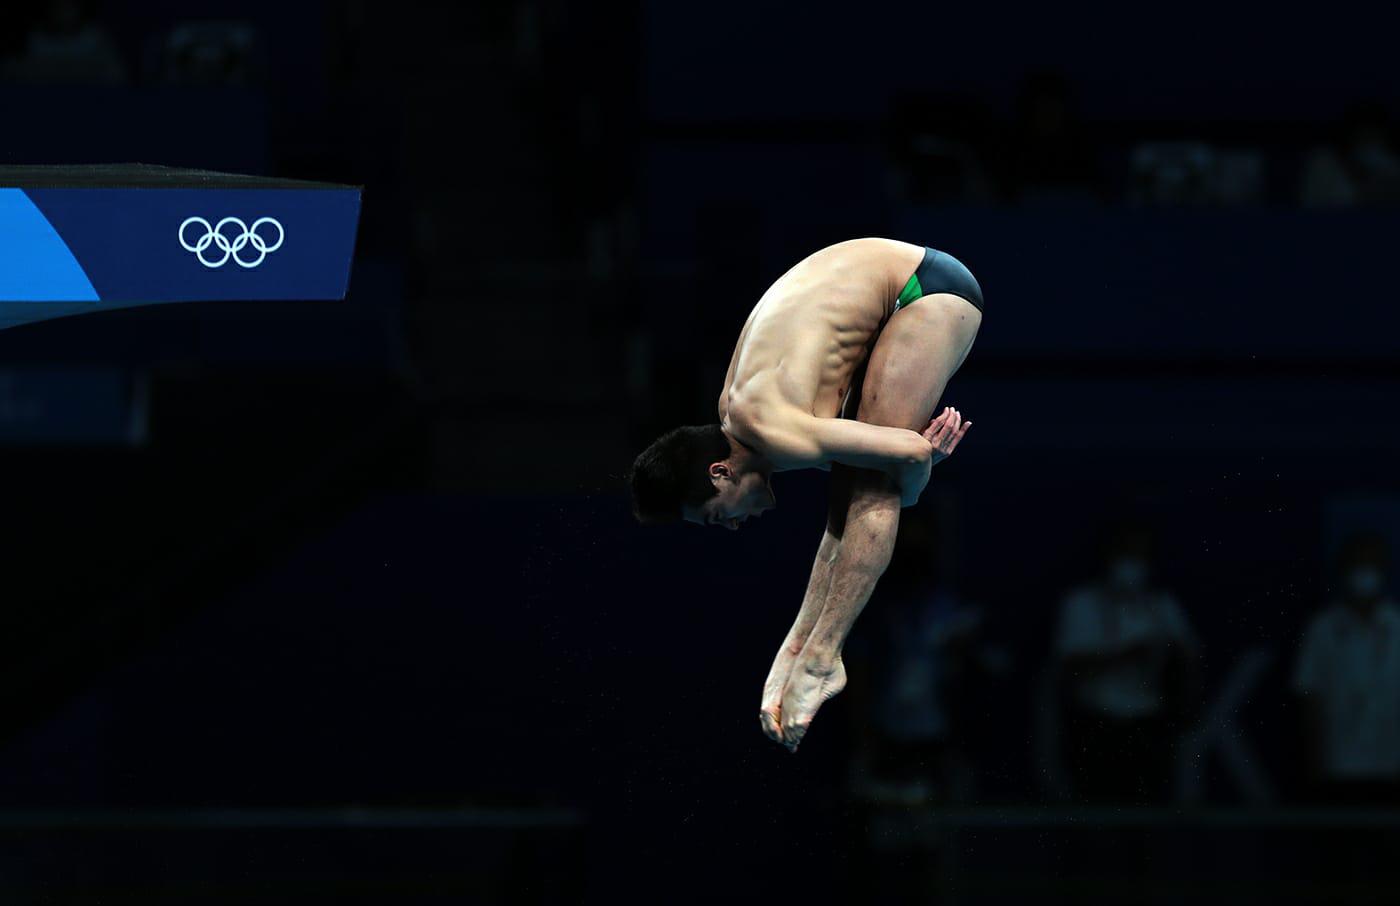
x: 919, y: 452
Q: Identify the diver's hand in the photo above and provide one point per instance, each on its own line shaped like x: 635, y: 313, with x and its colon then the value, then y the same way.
x: 945, y: 432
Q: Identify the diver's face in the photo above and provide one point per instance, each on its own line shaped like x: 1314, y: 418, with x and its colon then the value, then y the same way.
x: 740, y: 496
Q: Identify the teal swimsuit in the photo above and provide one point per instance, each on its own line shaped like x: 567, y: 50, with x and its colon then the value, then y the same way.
x: 940, y: 272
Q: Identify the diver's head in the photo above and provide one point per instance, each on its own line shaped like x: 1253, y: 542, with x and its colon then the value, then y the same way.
x: 701, y: 474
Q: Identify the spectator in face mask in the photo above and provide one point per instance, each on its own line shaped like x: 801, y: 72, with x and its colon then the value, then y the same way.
x: 1347, y: 677
x: 1125, y: 668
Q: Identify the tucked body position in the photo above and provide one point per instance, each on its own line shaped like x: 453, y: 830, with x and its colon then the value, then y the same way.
x: 840, y: 366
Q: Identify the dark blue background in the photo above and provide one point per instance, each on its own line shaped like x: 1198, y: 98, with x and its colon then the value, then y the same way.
x: 377, y: 553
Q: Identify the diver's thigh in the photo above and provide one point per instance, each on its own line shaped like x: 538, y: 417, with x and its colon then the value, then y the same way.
x: 919, y: 349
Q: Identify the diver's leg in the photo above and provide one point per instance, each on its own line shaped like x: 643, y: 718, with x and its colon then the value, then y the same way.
x: 920, y: 348
x: 769, y: 712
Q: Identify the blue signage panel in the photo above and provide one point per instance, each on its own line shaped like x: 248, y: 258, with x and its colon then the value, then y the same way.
x: 36, y: 265
x: 89, y: 248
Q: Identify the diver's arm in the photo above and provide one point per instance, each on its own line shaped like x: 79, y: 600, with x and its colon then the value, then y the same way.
x: 805, y: 441
x: 867, y: 446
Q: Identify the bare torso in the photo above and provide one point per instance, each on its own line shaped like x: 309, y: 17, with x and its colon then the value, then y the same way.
x: 812, y: 329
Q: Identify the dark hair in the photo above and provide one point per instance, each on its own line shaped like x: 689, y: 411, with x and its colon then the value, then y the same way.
x: 1363, y: 548
x: 1126, y: 535
x: 674, y: 472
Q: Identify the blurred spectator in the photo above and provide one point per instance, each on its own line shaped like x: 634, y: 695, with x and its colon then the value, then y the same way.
x: 1174, y: 173
x: 1050, y: 156
x: 1190, y: 173
x: 66, y: 44
x: 933, y: 145
x: 208, y: 53
x: 932, y: 659
x: 931, y: 642
x: 1363, y: 167
x: 931, y: 666
x: 1126, y: 668
x: 1348, y: 678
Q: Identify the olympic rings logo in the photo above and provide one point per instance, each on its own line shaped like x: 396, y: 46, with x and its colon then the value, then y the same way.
x: 246, y: 236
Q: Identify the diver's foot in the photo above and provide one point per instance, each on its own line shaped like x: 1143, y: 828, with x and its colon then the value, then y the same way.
x: 770, y: 710
x: 813, y: 682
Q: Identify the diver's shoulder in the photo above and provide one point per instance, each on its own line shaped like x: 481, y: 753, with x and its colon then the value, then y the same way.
x: 755, y: 414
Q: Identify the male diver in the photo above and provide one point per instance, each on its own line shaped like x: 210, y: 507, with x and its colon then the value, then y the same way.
x: 838, y: 367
